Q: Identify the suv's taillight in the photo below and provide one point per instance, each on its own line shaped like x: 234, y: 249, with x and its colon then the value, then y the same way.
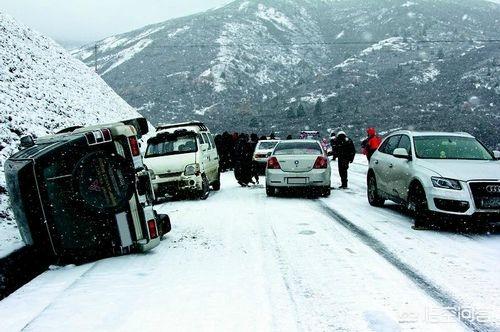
x: 153, y: 232
x: 273, y: 163
x: 134, y: 146
x: 321, y: 162
x: 98, y: 136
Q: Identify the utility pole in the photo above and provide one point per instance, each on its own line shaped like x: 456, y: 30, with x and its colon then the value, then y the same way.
x: 95, y: 57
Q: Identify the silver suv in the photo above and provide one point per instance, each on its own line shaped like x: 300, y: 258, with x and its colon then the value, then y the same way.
x: 435, y: 173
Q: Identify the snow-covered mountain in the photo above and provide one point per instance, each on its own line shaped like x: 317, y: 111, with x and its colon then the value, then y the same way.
x: 44, y: 89
x: 283, y: 65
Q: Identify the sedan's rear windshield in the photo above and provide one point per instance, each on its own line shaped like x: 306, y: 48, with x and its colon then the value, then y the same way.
x: 266, y: 145
x: 450, y: 147
x: 298, y: 148
x: 171, y: 145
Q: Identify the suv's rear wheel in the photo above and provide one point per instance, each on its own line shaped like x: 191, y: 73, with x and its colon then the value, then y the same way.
x: 373, y: 196
x: 418, y: 207
x: 205, y: 188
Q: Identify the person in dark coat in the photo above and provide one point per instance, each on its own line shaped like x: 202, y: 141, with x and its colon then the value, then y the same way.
x: 239, y: 158
x: 227, y: 151
x: 371, y: 143
x: 345, y: 151
x: 333, y: 144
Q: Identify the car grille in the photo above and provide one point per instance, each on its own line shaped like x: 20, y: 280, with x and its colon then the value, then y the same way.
x: 486, y: 195
x: 170, y: 175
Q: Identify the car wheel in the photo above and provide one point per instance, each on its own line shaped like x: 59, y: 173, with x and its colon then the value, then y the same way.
x: 418, y: 207
x: 372, y: 192
x: 216, y: 183
x: 270, y: 191
x: 205, y: 188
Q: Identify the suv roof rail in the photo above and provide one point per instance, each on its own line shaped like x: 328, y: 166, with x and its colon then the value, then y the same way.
x: 199, y: 124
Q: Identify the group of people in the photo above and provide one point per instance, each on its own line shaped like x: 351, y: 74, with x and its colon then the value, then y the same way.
x: 344, y: 151
x: 236, y: 153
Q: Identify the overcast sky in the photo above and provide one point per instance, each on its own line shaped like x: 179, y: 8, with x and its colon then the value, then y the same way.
x: 90, y: 20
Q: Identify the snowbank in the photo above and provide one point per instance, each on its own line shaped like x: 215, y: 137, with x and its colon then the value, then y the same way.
x: 43, y: 89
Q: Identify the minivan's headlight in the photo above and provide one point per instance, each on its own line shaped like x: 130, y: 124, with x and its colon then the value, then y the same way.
x: 446, y: 183
x: 192, y: 169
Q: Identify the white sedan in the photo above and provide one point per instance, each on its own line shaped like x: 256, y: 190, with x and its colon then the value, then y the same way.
x: 299, y: 164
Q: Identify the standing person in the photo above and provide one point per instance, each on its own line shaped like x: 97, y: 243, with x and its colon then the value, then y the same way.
x: 371, y: 143
x: 333, y: 144
x: 219, y: 144
x: 239, y: 158
x: 345, y: 151
x: 254, y: 140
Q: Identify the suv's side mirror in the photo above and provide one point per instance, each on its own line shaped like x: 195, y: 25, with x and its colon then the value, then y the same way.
x: 27, y: 141
x: 401, y: 153
x: 496, y: 154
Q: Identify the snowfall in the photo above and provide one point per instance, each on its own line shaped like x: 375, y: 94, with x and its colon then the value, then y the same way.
x: 241, y: 261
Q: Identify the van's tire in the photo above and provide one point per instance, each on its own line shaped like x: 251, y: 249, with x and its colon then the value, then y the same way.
x: 216, y: 183
x: 270, y: 191
x: 374, y: 197
x: 418, y: 207
x: 205, y: 188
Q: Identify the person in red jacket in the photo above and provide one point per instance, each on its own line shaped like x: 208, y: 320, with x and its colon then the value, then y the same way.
x: 371, y: 143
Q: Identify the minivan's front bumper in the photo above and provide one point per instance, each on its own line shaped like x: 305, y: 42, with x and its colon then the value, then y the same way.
x: 172, y: 185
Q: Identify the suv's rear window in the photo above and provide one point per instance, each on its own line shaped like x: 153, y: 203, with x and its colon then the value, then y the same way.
x: 450, y: 147
x: 298, y: 148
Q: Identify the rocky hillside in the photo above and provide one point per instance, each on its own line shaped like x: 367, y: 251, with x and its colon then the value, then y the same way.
x: 42, y: 90
x: 284, y: 65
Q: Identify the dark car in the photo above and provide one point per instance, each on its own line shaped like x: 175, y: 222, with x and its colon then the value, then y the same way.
x: 84, y: 193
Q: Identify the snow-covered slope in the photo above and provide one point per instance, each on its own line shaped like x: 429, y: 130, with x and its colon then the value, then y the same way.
x: 255, y: 63
x: 43, y: 89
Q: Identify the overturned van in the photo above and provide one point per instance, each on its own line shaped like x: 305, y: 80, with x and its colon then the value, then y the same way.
x: 84, y: 193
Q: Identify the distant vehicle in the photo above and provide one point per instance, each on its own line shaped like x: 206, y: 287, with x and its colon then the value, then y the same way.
x: 436, y: 174
x: 263, y: 150
x: 310, y: 134
x: 298, y: 164
x: 84, y: 192
x: 184, y: 159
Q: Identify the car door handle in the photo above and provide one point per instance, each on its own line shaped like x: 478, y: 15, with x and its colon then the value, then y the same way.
x: 391, y: 165
x: 376, y: 162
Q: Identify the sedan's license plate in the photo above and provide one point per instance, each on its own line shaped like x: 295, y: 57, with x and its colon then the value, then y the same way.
x: 297, y: 180
x: 491, y: 203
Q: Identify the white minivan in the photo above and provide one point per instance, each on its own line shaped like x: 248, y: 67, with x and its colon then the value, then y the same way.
x: 184, y: 159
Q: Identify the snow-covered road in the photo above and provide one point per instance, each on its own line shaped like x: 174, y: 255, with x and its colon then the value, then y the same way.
x: 241, y: 261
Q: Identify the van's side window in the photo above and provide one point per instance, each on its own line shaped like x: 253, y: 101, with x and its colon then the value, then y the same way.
x: 212, y: 140
x: 200, y: 138
x: 205, y: 138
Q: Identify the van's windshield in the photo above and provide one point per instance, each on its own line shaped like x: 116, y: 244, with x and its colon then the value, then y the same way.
x: 170, y: 145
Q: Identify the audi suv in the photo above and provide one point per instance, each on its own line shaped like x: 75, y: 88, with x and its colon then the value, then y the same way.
x: 436, y: 173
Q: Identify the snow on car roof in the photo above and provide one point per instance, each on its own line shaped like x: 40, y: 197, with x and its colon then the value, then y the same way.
x: 432, y: 133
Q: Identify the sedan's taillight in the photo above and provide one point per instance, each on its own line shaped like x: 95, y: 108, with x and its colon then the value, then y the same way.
x: 153, y: 232
x: 321, y: 162
x: 273, y: 163
x: 134, y: 146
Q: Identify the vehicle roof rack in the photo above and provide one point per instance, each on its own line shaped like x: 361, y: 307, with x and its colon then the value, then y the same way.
x: 199, y: 124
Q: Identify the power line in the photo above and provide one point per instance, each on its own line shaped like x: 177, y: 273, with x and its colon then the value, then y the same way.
x: 297, y: 44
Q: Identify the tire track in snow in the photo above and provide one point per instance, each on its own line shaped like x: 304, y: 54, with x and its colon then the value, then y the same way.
x: 434, y: 291
x: 92, y: 267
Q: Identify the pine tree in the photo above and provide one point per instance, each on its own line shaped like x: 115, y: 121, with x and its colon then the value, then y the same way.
x: 318, y: 108
x: 290, y: 114
x: 300, y: 111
